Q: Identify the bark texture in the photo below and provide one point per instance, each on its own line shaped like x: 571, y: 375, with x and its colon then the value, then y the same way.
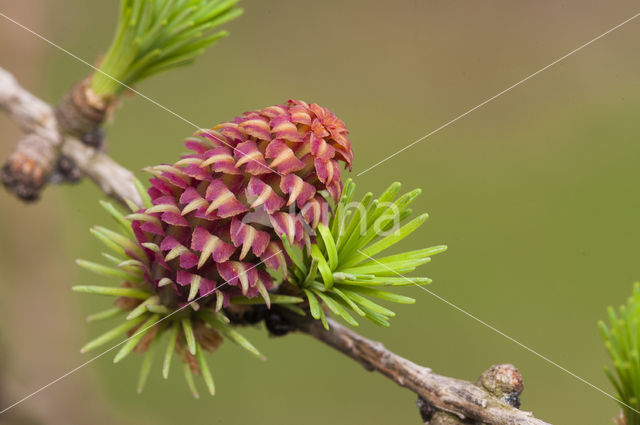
x: 51, y: 152
x: 463, y: 399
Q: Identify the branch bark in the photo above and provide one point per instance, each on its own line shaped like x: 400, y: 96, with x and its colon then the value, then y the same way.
x: 45, y: 143
x: 25, y: 173
x: 461, y: 398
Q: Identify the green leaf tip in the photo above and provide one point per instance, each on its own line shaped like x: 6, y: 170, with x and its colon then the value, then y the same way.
x: 171, y: 346
x: 112, y: 291
x: 112, y: 334
x: 108, y: 271
x: 339, y: 275
x: 275, y: 299
x: 134, y: 339
x: 106, y: 314
x: 155, y: 36
x: 218, y: 323
x: 204, y: 370
x: 142, y: 191
x: 189, y: 335
x: 147, y: 362
x: 190, y: 382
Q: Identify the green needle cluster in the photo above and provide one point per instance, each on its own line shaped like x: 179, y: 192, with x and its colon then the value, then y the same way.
x: 153, y: 36
x: 340, y: 271
x: 622, y: 340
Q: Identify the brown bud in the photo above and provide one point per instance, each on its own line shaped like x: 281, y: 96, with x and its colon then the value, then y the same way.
x: 236, y: 312
x: 28, y: 168
x: 503, y: 381
x: 145, y: 342
x: 188, y: 358
x: 81, y: 111
x: 621, y: 419
x: 208, y: 338
x: 126, y: 303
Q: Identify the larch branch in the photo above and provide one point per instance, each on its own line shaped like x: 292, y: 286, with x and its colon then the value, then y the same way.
x: 463, y: 399
x: 32, y: 163
x: 45, y: 143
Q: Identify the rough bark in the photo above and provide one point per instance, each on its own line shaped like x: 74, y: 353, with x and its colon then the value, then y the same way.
x: 460, y: 398
x: 36, y: 158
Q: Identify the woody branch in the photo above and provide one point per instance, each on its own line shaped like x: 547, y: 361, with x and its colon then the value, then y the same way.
x: 37, y: 158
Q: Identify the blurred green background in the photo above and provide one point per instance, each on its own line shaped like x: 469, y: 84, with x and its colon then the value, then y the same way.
x: 536, y: 195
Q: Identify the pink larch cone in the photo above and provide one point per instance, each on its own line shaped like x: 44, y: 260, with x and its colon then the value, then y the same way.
x: 218, y: 213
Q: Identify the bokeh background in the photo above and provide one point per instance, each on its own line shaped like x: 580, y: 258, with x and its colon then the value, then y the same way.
x: 536, y: 195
